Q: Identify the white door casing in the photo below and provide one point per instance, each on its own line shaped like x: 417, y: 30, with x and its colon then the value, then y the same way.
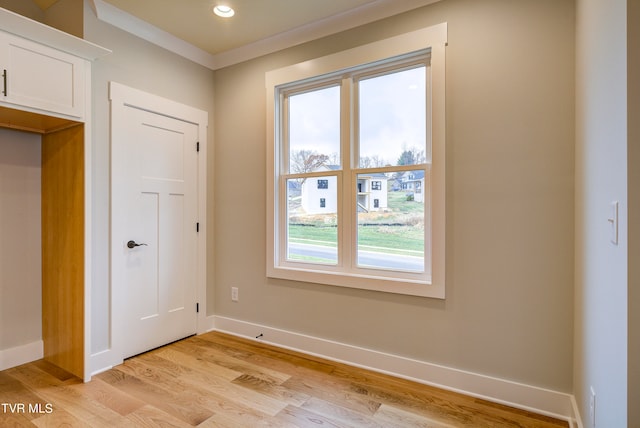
x: 158, y: 198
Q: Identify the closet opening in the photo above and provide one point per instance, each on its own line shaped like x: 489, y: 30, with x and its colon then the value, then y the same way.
x: 45, y: 282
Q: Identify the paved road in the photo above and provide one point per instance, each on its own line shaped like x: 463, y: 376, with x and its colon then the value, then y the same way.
x: 365, y: 258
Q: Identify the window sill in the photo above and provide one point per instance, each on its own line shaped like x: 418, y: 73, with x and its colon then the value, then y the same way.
x: 406, y: 286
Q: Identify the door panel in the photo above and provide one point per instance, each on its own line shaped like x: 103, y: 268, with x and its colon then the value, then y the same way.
x: 160, y: 197
x: 174, y: 272
x: 142, y: 266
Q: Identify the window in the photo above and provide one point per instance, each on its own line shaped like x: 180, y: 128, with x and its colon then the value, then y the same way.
x: 335, y: 124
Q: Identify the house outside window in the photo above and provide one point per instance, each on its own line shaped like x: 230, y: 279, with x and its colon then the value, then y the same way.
x: 334, y: 123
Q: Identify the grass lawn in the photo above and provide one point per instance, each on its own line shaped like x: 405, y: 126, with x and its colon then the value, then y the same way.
x: 383, y: 239
x: 396, y: 230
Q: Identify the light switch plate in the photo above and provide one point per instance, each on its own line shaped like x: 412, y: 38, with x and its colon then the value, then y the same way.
x: 613, y: 222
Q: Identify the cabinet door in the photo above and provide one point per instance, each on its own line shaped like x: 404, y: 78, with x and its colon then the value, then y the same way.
x: 41, y: 77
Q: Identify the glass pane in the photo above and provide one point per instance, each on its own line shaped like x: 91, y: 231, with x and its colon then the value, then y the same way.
x: 393, y: 119
x: 391, y: 220
x: 314, y: 130
x: 312, y: 219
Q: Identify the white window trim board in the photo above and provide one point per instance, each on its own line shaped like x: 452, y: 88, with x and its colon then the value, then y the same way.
x: 433, y: 38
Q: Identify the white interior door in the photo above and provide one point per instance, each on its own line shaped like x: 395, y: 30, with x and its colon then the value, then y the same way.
x: 157, y: 200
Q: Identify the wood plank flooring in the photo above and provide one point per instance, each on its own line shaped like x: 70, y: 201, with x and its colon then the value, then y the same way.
x: 216, y: 380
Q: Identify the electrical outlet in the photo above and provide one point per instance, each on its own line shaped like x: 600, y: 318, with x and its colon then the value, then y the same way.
x: 592, y: 407
x: 234, y: 294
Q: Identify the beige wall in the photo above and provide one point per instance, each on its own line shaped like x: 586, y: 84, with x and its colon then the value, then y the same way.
x: 20, y: 243
x: 601, y: 178
x: 65, y: 15
x: 149, y: 68
x: 510, y: 142
x: 25, y: 8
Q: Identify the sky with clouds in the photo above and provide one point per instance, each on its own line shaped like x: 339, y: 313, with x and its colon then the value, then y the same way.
x: 392, y: 116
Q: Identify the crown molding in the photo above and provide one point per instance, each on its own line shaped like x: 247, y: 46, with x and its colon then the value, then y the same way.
x: 365, y: 14
x: 347, y: 20
x: 142, y: 29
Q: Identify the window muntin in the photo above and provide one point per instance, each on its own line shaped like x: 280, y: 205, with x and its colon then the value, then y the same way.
x: 346, y: 70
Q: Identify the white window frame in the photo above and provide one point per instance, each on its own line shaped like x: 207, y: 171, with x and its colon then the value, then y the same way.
x: 432, y: 40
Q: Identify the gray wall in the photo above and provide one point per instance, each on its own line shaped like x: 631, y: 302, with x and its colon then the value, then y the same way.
x: 20, y: 242
x: 602, y: 281
x: 633, y: 183
x: 149, y: 68
x: 510, y: 211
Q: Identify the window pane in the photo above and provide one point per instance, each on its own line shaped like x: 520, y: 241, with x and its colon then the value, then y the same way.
x: 391, y: 220
x: 393, y: 119
x: 314, y: 130
x: 312, y: 220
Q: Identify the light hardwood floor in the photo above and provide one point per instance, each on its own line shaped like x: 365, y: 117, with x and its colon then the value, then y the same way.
x: 216, y: 380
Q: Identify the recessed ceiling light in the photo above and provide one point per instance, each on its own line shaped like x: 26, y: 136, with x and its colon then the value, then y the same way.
x: 223, y: 11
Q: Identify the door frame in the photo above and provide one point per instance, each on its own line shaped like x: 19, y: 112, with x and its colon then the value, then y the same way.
x: 123, y: 97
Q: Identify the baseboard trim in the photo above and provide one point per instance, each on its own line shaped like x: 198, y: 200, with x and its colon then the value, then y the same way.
x: 526, y: 397
x: 577, y: 420
x: 21, y: 354
x: 102, y: 361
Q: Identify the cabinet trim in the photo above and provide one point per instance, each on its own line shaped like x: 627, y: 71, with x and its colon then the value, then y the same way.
x: 29, y: 29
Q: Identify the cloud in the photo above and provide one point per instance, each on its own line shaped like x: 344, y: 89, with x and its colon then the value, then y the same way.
x: 392, y: 116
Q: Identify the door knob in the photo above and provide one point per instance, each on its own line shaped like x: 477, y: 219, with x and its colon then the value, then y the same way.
x: 133, y: 244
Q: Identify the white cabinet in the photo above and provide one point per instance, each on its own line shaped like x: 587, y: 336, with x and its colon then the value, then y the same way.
x: 40, y: 77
